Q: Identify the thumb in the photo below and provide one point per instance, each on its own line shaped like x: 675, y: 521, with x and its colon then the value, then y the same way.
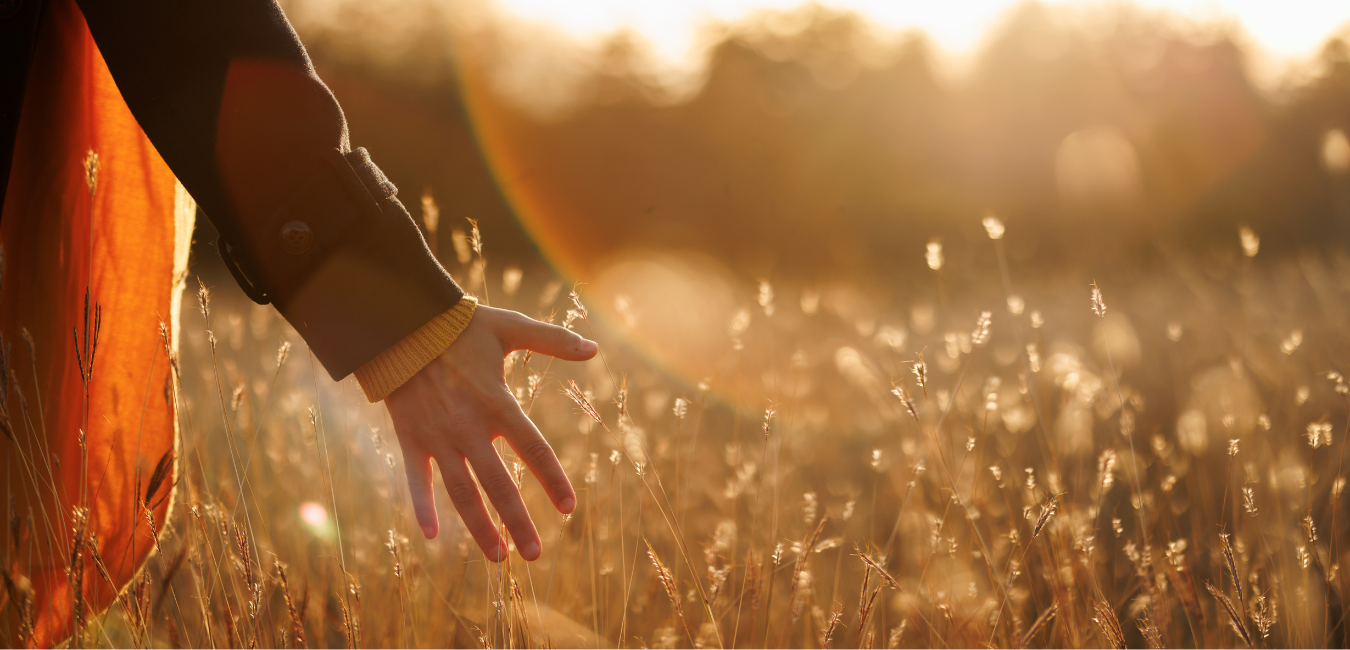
x: 524, y: 333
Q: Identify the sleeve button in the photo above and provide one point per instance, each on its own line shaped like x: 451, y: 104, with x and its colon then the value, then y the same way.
x: 296, y: 237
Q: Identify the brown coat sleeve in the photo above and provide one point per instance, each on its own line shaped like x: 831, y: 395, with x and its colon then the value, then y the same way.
x: 228, y: 96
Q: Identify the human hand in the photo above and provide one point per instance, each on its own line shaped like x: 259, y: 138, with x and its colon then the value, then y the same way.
x: 455, y: 407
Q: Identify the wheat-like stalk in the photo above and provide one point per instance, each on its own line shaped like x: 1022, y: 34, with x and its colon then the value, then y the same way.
x: 1234, y: 617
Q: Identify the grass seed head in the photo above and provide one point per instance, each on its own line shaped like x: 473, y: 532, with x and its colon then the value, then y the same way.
x: 1319, y: 434
x: 900, y: 392
x: 1234, y: 618
x: 460, y: 241
x: 993, y: 226
x: 475, y: 237
x: 574, y: 393
x: 283, y: 351
x: 1098, y: 305
x: 91, y: 168
x: 1047, y: 512
x: 431, y: 215
x: 766, y: 297
x: 1338, y: 383
x: 1249, y: 501
x: 933, y: 255
x: 1251, y: 242
x: 981, y: 333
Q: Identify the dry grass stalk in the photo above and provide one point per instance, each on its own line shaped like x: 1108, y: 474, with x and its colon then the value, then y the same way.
x: 905, y: 398
x: 295, y: 615
x: 235, y: 603
x: 836, y: 615
x: 175, y: 637
x: 865, y: 614
x: 1263, y: 614
x: 231, y: 631
x: 1183, y: 587
x: 897, y: 635
x: 1234, y: 617
x: 672, y: 592
x: 138, y: 597
x: 241, y: 541
x: 1150, y: 632
x: 1231, y: 564
x: 574, y: 393
x: 1105, y: 618
x: 871, y: 564
x: 348, y: 624
x: 170, y: 571
x: 1047, y: 512
x: 1040, y: 623
x: 431, y: 218
x: 19, y: 593
x: 98, y: 562
x: 660, y: 499
x: 797, y: 569
x: 75, y: 573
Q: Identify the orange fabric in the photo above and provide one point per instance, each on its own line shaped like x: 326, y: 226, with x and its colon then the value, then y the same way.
x: 127, y: 245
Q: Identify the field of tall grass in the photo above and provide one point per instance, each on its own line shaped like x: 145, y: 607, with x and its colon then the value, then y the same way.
x: 1147, y: 458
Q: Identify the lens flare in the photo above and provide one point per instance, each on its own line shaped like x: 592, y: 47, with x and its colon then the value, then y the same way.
x: 313, y: 514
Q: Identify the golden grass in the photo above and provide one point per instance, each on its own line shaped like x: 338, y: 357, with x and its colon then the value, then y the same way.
x: 1052, y: 473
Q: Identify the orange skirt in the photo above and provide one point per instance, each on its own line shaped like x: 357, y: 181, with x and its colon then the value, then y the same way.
x: 95, y: 234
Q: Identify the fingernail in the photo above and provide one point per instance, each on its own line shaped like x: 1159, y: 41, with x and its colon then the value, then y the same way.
x: 587, y: 346
x: 567, y: 505
x: 429, y: 532
x: 530, y: 550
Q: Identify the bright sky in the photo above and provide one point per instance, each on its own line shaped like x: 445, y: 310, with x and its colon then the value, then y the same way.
x: 1284, y: 28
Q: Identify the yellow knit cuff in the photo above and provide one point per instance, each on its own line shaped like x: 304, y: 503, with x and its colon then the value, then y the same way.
x: 385, y: 373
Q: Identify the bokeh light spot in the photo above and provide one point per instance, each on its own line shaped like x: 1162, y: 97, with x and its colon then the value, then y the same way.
x: 313, y: 514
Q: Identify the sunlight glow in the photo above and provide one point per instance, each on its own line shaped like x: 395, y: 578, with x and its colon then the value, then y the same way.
x: 1294, y: 28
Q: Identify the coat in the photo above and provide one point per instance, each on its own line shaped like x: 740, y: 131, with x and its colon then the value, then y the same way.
x: 229, y: 98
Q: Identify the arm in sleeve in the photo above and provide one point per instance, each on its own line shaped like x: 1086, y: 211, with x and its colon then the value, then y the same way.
x: 229, y: 98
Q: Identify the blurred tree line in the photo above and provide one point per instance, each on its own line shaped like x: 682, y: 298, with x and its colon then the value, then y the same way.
x: 794, y: 157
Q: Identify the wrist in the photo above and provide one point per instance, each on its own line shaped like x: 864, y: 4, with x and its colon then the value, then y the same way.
x: 395, y: 366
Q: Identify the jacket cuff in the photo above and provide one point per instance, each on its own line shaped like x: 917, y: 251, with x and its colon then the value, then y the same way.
x: 392, y: 368
x: 344, y: 263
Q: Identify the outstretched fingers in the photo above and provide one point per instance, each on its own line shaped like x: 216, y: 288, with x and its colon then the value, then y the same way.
x: 463, y: 491
x: 505, y: 497
x: 531, y: 447
x: 418, y: 464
